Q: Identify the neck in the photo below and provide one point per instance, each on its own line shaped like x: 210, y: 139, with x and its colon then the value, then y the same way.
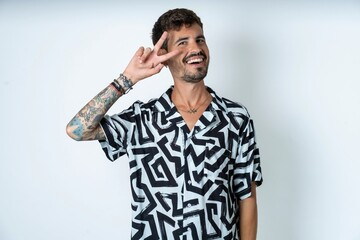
x: 189, y: 94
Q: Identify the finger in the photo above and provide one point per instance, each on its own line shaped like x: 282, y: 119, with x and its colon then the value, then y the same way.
x: 169, y: 55
x: 145, y: 54
x: 161, y: 41
x: 156, y: 69
x: 139, y: 53
x: 159, y: 67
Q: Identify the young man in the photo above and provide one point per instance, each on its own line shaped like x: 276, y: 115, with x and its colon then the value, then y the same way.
x: 194, y: 163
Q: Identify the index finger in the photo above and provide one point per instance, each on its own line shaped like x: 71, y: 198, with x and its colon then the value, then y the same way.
x: 161, y: 41
x: 168, y: 55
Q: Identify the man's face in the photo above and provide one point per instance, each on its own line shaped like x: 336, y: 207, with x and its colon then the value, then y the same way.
x: 191, y: 65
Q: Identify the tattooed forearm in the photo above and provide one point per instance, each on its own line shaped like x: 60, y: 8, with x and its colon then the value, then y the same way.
x: 85, y: 124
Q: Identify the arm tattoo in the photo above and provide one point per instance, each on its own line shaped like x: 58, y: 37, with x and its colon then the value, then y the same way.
x: 85, y: 125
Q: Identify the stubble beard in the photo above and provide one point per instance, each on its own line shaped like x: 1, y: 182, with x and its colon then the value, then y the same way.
x: 200, y: 74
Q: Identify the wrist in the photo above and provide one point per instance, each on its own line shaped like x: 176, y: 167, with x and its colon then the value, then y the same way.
x: 119, y: 89
x: 130, y: 76
x: 124, y: 82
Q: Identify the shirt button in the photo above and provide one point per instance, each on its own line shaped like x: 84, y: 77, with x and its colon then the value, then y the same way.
x: 189, y: 205
x: 189, y: 182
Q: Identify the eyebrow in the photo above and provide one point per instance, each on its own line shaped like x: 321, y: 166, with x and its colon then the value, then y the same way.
x: 186, y: 38
x: 181, y: 39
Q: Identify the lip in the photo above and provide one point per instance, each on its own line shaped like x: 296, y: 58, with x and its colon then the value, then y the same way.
x: 195, y: 59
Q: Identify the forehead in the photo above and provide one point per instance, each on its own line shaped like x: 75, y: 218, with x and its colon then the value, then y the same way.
x: 192, y: 31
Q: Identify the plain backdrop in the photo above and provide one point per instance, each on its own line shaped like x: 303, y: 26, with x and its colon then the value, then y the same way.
x: 294, y: 64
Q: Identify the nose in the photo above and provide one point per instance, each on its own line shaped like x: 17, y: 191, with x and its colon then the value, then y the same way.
x: 194, y: 47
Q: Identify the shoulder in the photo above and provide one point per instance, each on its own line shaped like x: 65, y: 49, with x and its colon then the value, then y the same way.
x: 235, y: 107
x: 159, y: 104
x: 237, y: 114
x: 139, y: 107
x: 230, y: 107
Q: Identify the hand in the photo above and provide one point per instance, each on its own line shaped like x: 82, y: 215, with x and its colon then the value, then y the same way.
x: 147, y: 62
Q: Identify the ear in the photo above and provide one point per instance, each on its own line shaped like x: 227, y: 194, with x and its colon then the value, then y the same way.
x: 162, y: 52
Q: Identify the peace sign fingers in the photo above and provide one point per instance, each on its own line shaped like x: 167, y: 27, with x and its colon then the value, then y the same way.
x: 148, y: 62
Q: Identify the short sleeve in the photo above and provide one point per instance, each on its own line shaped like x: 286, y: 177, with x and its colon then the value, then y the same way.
x: 247, y: 164
x: 115, y: 129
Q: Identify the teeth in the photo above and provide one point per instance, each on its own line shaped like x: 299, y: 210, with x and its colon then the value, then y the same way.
x: 196, y: 60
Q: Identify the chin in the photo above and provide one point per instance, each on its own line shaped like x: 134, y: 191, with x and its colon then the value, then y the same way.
x: 195, y: 78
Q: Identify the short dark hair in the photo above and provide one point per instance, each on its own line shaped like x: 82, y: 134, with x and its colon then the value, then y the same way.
x: 173, y: 20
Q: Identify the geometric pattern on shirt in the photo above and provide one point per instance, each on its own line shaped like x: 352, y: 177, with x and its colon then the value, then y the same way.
x: 185, y: 184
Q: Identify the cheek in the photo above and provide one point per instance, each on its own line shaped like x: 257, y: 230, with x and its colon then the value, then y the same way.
x: 172, y: 63
x: 207, y: 52
x: 176, y: 60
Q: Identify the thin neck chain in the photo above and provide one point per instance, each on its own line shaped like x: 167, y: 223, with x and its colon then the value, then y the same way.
x: 194, y: 109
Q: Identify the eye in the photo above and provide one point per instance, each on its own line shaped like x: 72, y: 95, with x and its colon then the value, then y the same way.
x: 201, y: 40
x: 181, y: 43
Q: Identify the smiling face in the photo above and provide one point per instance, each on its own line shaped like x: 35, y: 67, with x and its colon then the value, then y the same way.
x: 191, y: 65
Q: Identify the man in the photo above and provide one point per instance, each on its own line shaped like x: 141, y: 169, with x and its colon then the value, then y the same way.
x: 194, y: 163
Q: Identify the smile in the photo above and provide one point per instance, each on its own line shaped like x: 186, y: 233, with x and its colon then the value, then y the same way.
x: 195, y: 60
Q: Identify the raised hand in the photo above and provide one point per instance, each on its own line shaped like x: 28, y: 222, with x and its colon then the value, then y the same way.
x: 147, y: 62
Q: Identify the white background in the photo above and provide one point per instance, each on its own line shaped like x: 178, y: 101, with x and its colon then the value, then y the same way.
x: 294, y: 64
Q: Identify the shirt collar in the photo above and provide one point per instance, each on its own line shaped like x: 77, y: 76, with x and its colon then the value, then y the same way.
x: 164, y: 103
x: 210, y: 117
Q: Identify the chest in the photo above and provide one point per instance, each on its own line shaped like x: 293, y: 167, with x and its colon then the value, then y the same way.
x: 169, y: 154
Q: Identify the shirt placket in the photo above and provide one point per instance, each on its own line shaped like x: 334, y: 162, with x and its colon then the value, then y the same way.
x: 188, y: 198
x: 183, y: 143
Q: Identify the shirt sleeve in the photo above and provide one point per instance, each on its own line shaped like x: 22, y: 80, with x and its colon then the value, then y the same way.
x: 116, y: 131
x: 247, y: 164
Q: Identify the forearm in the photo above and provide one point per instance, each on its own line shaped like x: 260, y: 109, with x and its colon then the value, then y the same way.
x: 85, y: 124
x: 249, y: 217
x: 145, y: 63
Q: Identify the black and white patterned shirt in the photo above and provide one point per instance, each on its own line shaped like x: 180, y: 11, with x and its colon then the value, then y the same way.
x: 185, y: 184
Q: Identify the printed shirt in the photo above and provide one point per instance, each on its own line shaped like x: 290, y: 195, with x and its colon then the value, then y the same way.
x: 185, y: 184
